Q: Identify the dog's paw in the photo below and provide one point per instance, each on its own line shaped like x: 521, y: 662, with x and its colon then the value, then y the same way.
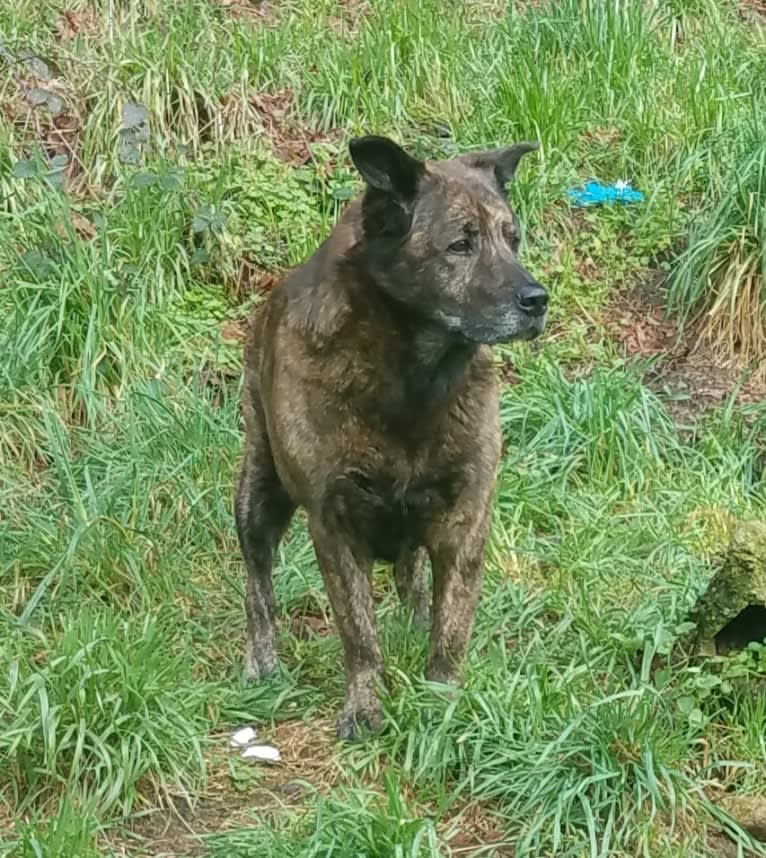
x: 260, y: 667
x: 356, y: 724
x: 442, y: 673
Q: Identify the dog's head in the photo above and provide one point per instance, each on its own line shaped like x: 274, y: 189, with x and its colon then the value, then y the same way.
x: 442, y: 240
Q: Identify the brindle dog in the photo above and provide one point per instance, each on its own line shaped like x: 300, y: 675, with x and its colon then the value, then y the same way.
x: 370, y: 400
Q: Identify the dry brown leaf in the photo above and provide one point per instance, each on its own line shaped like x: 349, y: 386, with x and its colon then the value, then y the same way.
x: 82, y: 226
x: 70, y: 24
x: 233, y: 331
x: 304, y: 627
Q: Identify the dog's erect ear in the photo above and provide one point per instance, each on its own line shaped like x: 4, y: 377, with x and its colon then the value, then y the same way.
x: 385, y: 166
x: 503, y: 161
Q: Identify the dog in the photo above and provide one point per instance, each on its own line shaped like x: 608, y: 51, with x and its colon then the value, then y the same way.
x: 370, y: 400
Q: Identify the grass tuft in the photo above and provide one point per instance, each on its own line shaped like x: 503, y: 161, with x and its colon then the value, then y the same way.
x: 101, y: 710
x: 720, y: 281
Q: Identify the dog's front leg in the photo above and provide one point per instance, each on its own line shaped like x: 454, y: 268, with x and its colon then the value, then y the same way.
x: 346, y: 575
x: 457, y: 558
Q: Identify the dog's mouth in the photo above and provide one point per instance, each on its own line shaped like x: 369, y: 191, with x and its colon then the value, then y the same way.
x: 498, y: 338
x: 515, y: 327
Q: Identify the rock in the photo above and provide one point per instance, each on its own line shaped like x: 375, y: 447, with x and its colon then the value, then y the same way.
x: 732, y: 611
x: 292, y: 789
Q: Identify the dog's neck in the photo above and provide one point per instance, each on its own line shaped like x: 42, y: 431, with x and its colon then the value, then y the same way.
x: 427, y: 363
x: 435, y: 365
x: 432, y: 362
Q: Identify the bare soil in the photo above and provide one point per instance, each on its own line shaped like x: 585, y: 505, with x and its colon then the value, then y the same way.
x: 686, y: 371
x: 237, y: 793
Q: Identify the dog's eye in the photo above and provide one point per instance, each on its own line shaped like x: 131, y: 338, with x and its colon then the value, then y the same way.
x: 462, y: 247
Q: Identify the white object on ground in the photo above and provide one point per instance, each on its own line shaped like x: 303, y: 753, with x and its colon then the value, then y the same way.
x: 242, y: 738
x: 263, y: 753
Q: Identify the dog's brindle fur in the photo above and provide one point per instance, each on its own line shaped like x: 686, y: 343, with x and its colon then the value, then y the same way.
x: 370, y: 401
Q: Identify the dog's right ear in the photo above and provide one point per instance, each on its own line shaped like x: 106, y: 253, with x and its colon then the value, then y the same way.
x: 503, y: 162
x: 386, y: 167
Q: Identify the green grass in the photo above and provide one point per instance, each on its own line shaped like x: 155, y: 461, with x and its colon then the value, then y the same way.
x: 720, y: 280
x: 121, y: 584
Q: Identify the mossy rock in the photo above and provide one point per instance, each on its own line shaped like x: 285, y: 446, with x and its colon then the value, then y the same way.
x: 732, y: 610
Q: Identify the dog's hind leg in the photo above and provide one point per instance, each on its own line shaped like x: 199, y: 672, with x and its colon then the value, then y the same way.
x: 262, y: 510
x: 412, y: 585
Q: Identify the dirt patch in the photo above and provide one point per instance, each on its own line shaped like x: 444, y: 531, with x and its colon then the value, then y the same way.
x: 260, y: 12
x: 350, y: 14
x: 721, y: 846
x: 690, y: 828
x: 754, y: 11
x: 234, y: 331
x: 307, y: 626
x: 749, y: 812
x: 687, y: 372
x: 270, y: 115
x: 216, y: 382
x: 474, y: 831
x: 290, y: 138
x: 80, y: 24
x: 491, y: 10
x: 249, y: 277
x: 237, y: 792
x: 267, y: 13
x: 9, y: 817
x: 604, y: 136
x: 77, y: 224
x: 44, y: 110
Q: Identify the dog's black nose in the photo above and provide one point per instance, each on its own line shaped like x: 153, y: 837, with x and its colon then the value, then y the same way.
x: 533, y: 299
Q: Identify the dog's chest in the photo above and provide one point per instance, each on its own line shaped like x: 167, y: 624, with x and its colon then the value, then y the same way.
x: 389, y: 514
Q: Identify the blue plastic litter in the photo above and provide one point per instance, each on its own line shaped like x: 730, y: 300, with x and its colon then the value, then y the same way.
x: 596, y: 194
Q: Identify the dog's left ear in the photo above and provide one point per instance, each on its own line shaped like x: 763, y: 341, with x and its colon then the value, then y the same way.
x: 386, y: 167
x: 503, y: 161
